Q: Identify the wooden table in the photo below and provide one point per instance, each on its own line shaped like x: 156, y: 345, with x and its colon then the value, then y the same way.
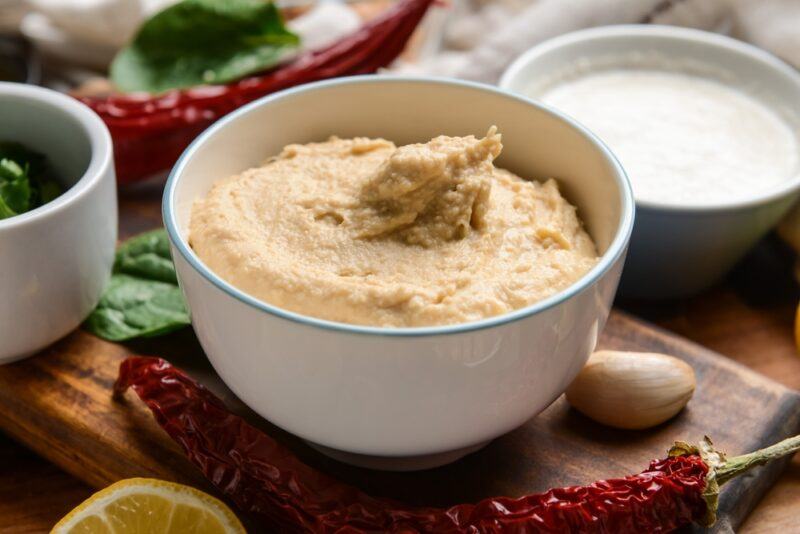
x: 749, y: 318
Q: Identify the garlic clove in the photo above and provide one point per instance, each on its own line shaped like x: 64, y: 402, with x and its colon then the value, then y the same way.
x: 632, y: 390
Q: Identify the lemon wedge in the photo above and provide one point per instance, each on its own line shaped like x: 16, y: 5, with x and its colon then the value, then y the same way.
x: 146, y: 505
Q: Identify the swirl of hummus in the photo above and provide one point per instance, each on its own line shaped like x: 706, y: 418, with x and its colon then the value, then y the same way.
x: 361, y: 231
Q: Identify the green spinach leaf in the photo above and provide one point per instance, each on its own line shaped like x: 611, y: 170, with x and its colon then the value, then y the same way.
x: 15, y: 187
x: 24, y: 180
x: 134, y: 307
x: 143, y: 298
x: 10, y: 170
x: 198, y: 42
x: 48, y: 190
x: 147, y: 256
x: 5, y: 210
x: 26, y: 158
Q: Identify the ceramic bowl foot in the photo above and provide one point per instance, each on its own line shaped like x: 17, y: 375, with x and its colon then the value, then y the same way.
x: 398, y: 463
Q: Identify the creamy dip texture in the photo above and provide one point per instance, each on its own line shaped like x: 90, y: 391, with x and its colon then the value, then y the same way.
x: 683, y: 139
x: 361, y: 231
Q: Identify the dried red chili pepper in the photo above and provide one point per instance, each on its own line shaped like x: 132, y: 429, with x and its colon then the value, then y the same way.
x: 265, y: 479
x: 150, y: 133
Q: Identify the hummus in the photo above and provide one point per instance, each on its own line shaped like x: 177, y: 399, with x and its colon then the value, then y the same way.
x: 361, y: 231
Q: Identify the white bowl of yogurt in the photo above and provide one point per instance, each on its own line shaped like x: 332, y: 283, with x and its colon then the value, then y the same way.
x: 385, y: 396
x: 705, y: 126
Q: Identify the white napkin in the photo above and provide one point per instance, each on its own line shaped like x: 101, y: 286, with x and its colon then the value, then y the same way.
x: 479, y: 40
x: 770, y: 24
x: 90, y: 32
x: 109, y: 23
x: 482, y: 41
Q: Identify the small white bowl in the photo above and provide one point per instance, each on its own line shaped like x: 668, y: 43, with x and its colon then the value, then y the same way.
x: 56, y: 259
x: 679, y: 250
x: 401, y: 398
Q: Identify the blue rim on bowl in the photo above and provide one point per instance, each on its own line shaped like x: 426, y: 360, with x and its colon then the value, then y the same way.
x: 99, y: 138
x: 614, y: 251
x: 675, y: 33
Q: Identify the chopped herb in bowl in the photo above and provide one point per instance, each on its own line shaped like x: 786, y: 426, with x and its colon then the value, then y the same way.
x: 25, y: 181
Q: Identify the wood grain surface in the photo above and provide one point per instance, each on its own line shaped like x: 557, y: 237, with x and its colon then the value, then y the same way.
x: 34, y: 494
x: 741, y: 410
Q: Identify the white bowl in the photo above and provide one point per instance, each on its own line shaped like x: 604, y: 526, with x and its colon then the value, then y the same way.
x: 56, y: 259
x: 680, y: 250
x: 401, y: 398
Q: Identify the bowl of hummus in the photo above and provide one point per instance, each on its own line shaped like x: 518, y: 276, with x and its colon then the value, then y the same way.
x: 398, y: 270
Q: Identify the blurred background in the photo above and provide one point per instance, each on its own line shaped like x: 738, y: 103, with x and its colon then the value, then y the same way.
x: 68, y: 44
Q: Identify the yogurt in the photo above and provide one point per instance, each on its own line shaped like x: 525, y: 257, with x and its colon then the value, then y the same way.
x: 683, y: 139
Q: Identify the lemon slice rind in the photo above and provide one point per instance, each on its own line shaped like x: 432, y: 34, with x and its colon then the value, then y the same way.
x: 178, y: 495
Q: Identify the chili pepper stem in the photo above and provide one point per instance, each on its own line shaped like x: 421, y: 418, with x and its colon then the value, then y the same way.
x: 733, y: 467
x: 722, y: 469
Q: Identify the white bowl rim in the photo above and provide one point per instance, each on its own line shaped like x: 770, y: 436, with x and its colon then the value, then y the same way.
x: 99, y: 138
x: 615, y: 249
x: 699, y: 37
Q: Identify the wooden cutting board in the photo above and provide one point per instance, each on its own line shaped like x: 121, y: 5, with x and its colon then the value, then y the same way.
x: 59, y: 404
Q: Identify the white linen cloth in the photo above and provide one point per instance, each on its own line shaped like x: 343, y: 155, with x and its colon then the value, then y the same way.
x: 472, y: 39
x: 483, y: 37
x: 89, y: 33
